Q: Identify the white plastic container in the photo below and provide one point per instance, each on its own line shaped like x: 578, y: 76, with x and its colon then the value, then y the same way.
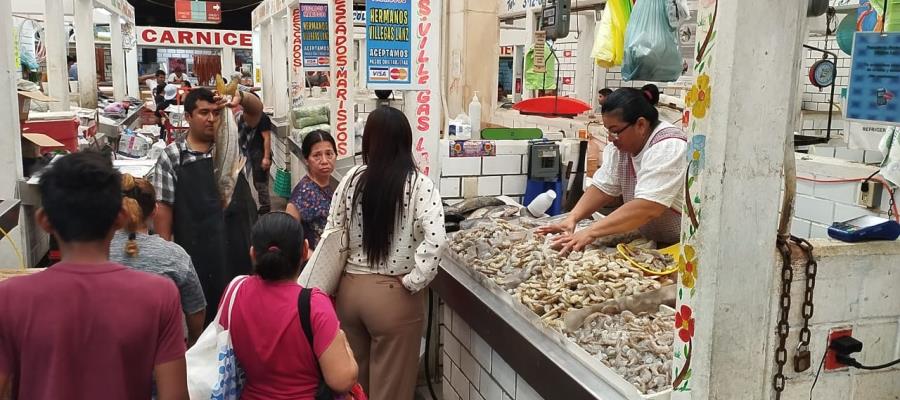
x: 475, y: 116
x: 541, y: 203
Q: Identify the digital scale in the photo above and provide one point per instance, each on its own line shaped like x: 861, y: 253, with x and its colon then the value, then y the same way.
x: 864, y: 229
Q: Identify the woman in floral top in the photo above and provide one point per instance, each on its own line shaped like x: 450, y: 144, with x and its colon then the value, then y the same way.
x: 311, y: 198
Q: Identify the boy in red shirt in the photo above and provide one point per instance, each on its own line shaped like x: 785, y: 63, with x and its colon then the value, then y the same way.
x: 87, y: 328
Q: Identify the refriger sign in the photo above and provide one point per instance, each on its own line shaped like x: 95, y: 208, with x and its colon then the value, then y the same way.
x: 314, y: 29
x: 389, y: 38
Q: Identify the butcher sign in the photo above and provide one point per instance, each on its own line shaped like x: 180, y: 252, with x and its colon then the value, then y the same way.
x: 182, y: 37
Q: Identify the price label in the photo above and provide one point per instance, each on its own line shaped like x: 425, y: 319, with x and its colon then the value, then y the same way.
x: 540, y: 57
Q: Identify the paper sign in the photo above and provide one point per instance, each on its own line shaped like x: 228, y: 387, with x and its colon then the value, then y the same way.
x: 875, y: 78
x: 389, y: 34
x: 314, y: 28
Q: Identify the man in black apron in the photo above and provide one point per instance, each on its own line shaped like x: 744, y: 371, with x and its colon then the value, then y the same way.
x: 189, y: 207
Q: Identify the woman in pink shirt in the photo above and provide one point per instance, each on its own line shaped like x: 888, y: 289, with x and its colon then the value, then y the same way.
x: 266, y: 332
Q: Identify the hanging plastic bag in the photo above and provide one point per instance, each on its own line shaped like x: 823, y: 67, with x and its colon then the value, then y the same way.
x: 620, y: 12
x: 677, y: 11
x: 651, y: 46
x: 603, y: 52
x: 540, y: 80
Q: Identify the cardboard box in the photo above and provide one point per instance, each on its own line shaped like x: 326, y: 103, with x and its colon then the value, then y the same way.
x: 25, y: 99
x: 34, y: 144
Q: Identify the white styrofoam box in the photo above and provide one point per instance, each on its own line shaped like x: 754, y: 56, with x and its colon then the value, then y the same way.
x: 846, y: 193
x: 818, y: 231
x: 879, y: 296
x: 481, y: 351
x: 800, y: 228
x: 843, y: 212
x: 848, y: 154
x: 470, y: 186
x: 514, y: 184
x: 450, y: 187
x: 489, y: 388
x: 876, y: 385
x: 489, y: 186
x: 474, y: 394
x: 470, y: 368
x: 451, y: 345
x: 460, y: 166
x: 462, y: 332
x: 814, y: 209
x: 524, y: 391
x: 879, y: 341
x: 804, y: 186
x: 503, y: 373
x: 502, y: 165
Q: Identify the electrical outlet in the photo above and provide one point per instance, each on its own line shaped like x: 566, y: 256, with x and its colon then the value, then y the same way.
x: 869, y: 194
x: 831, y: 363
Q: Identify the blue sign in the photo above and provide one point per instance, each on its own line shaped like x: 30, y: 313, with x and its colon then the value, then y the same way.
x: 389, y: 43
x: 314, y: 26
x: 875, y: 78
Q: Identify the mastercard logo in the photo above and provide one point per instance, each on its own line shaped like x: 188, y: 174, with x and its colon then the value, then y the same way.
x: 399, y: 74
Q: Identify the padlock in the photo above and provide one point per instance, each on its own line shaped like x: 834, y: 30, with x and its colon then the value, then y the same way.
x: 802, y: 359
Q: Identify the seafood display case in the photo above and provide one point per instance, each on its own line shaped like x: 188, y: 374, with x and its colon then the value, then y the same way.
x: 588, y: 325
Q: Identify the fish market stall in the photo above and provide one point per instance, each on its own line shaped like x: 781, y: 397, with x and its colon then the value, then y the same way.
x: 518, y: 316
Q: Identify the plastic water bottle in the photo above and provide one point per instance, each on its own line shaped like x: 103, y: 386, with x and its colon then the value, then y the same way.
x: 541, y: 203
x: 475, y: 117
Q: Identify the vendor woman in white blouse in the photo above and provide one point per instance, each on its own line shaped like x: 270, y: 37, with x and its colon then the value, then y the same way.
x: 644, y: 163
x: 396, y: 228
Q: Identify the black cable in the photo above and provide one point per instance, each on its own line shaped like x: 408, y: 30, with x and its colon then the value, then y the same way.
x: 883, y: 15
x: 819, y: 371
x: 428, y: 344
x: 847, y: 360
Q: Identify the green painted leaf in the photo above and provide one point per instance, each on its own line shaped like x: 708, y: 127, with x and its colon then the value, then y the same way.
x: 688, y: 374
x: 677, y: 356
x: 686, y: 353
x: 680, y: 292
x: 693, y: 291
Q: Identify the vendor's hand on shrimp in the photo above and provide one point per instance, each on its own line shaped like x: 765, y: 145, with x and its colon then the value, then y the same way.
x: 569, y: 242
x: 566, y: 226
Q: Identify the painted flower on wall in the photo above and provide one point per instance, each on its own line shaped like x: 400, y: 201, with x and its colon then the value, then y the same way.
x: 684, y: 323
x: 687, y: 267
x: 699, y: 96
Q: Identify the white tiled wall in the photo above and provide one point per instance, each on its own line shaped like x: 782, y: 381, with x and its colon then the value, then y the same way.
x: 472, y: 370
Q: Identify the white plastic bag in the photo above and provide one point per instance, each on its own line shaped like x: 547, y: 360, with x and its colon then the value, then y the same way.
x: 651, y: 45
x: 212, y: 369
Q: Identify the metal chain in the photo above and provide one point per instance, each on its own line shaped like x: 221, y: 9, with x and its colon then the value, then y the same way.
x: 808, y: 307
x: 787, y: 275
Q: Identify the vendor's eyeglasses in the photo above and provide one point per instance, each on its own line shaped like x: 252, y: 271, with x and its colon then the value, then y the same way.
x: 615, y: 134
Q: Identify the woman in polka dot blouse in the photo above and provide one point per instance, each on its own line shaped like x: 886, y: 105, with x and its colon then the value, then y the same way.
x: 396, y: 226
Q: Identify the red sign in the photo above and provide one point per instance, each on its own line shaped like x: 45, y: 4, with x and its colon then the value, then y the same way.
x: 567, y: 53
x: 567, y: 80
x: 198, y: 12
x: 297, y: 40
x: 180, y: 37
x: 423, y: 97
x: 506, y: 51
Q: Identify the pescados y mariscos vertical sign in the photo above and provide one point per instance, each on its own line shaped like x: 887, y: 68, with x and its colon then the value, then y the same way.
x: 389, y: 35
x: 314, y: 33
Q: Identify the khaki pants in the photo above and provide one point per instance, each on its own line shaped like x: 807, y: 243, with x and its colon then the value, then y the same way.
x: 383, y: 322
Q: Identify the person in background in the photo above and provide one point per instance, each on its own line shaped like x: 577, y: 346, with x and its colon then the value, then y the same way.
x: 73, y: 68
x: 155, y: 82
x: 601, y: 97
x: 237, y: 77
x: 395, y: 220
x: 644, y: 163
x: 311, y: 199
x: 88, y: 328
x: 184, y: 90
x: 135, y: 247
x: 272, y: 346
x: 255, y: 129
x: 189, y: 208
x: 177, y: 77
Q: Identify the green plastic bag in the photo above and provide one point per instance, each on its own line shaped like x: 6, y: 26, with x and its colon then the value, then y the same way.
x: 651, y: 45
x: 540, y: 80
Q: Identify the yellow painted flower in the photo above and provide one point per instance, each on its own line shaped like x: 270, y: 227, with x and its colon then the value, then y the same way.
x: 698, y: 97
x: 687, y: 267
x: 696, y: 155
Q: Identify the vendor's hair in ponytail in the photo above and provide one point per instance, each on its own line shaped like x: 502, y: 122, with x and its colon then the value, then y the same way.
x: 277, y: 240
x: 631, y: 104
x: 139, y: 201
x: 651, y: 93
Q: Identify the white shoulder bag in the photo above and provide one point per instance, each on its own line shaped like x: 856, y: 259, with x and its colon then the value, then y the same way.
x: 326, y: 265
